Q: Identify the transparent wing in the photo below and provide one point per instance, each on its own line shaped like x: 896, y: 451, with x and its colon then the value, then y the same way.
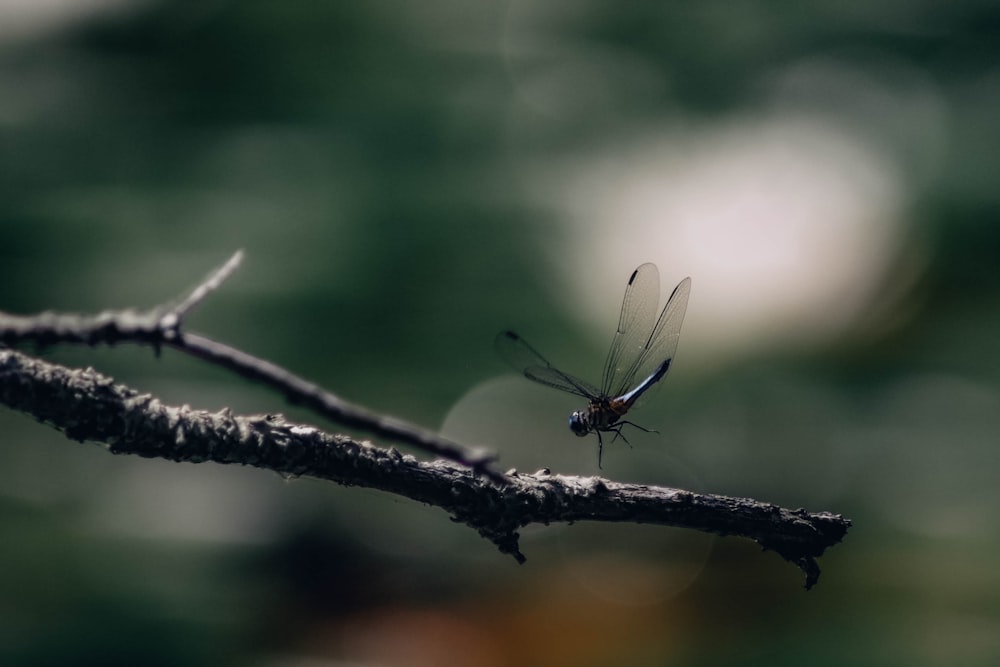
x: 526, y: 360
x: 661, y: 344
x: 642, y: 297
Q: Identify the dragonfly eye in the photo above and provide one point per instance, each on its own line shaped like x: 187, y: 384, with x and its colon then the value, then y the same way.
x: 578, y: 425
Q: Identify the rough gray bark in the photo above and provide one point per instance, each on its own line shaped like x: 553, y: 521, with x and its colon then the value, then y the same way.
x: 161, y: 327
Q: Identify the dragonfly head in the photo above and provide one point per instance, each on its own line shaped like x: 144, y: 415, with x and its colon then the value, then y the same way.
x: 578, y: 424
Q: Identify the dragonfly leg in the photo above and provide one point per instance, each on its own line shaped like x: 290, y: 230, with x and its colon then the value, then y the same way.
x: 618, y: 433
x: 641, y: 428
x: 616, y: 428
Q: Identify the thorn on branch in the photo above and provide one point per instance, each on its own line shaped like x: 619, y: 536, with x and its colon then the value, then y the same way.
x: 506, y: 541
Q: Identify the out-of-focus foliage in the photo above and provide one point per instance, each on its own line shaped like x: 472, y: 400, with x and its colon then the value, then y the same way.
x: 409, y: 178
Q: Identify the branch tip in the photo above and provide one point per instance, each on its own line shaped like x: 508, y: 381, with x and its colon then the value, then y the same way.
x: 206, y: 287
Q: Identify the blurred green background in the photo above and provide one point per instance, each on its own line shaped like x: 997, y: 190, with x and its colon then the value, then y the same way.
x: 408, y: 179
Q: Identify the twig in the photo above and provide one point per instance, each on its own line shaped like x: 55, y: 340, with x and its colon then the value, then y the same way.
x: 86, y: 405
x: 161, y: 326
x: 213, y: 282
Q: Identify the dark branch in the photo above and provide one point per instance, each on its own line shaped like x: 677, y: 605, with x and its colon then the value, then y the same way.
x: 162, y: 326
x: 86, y: 405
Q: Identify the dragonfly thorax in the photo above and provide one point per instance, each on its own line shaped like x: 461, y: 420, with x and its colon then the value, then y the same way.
x: 601, y: 415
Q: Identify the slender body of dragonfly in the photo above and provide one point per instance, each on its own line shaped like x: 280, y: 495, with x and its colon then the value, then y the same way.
x: 640, y: 356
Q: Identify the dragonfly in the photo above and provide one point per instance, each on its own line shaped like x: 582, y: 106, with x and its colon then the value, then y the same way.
x: 641, y: 354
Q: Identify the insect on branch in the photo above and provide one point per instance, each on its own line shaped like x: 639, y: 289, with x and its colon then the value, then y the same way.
x: 88, y: 406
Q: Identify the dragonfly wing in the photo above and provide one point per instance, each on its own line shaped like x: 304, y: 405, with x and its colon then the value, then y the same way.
x: 642, y: 296
x: 661, y: 344
x: 523, y: 358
